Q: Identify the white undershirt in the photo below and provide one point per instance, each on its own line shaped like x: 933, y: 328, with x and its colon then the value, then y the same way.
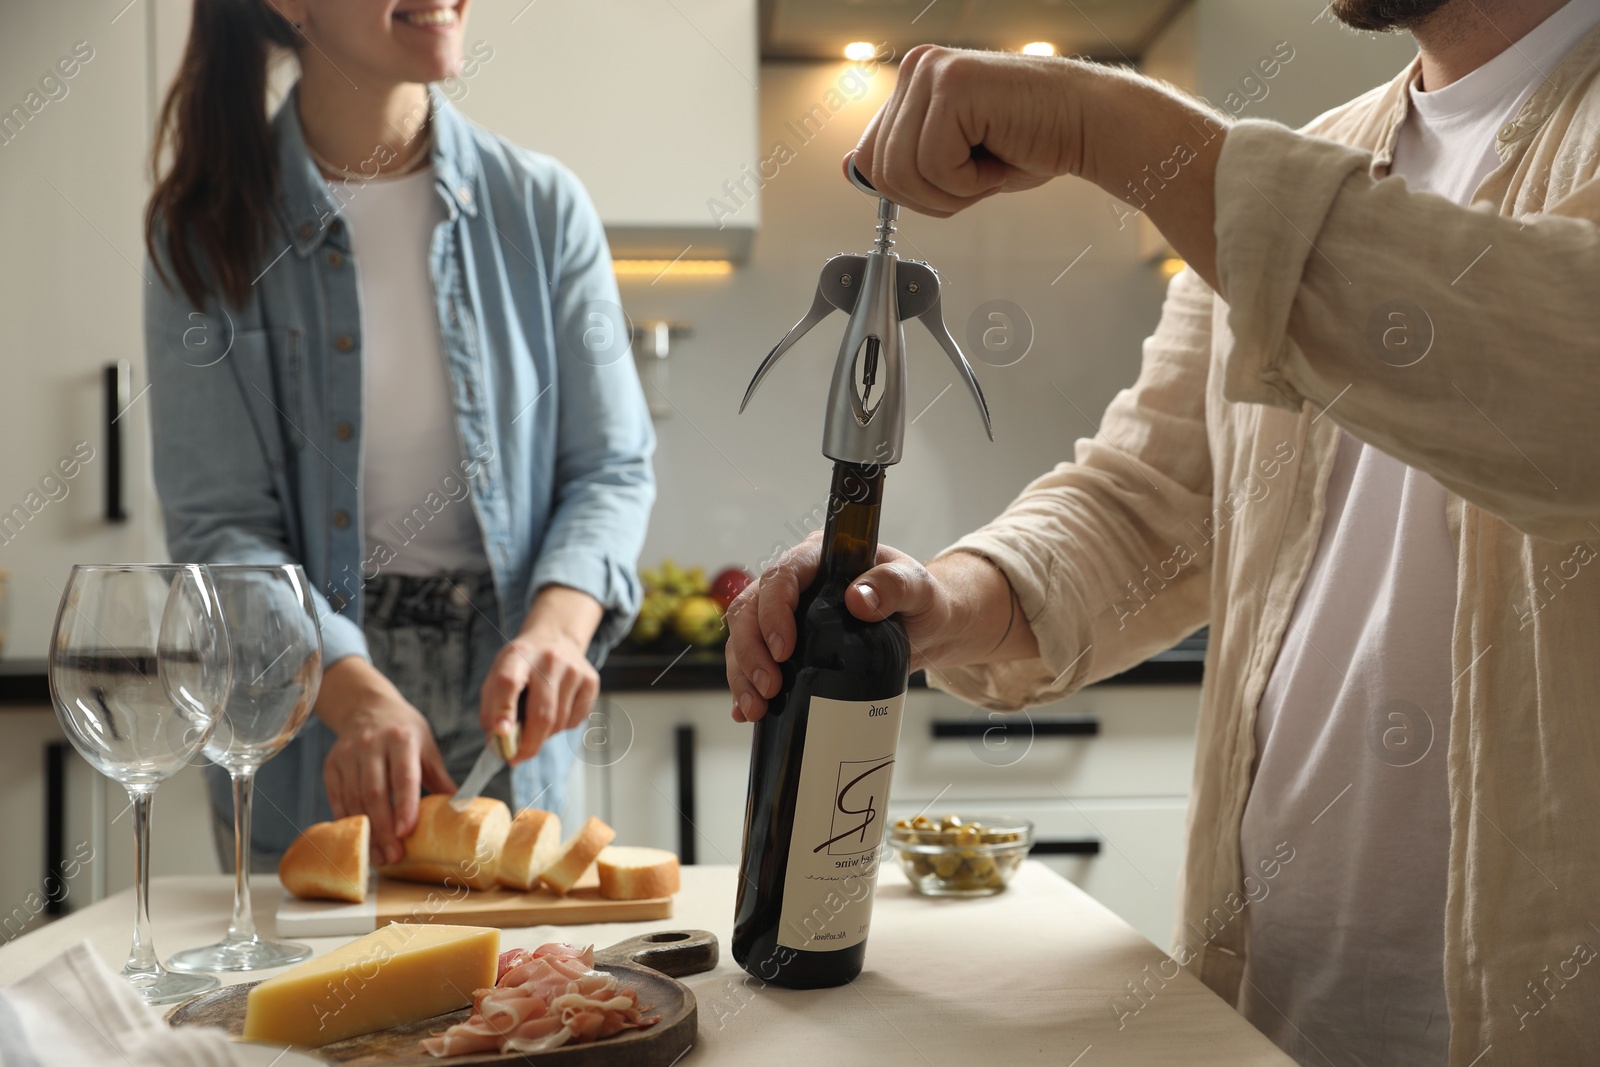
x: 1346, y: 948
x: 413, y: 497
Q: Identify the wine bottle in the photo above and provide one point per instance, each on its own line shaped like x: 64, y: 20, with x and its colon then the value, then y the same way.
x: 821, y: 761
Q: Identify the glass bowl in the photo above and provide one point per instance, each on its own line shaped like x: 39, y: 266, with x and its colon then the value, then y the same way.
x: 961, y: 855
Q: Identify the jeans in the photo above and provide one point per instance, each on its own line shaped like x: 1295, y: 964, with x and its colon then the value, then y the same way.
x: 435, y: 638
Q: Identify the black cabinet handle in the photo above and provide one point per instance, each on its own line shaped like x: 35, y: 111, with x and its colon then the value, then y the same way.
x: 1061, y: 726
x: 1079, y: 846
x: 683, y: 743
x: 117, y: 388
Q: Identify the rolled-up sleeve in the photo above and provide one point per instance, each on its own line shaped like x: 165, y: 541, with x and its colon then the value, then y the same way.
x: 1078, y: 538
x: 1462, y: 342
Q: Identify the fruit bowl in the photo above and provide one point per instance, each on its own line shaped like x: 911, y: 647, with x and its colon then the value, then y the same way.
x: 960, y: 856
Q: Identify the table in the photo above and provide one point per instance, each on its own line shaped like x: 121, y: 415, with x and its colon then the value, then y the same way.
x: 1038, y: 974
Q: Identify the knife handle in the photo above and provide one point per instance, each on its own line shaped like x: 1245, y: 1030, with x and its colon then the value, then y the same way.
x: 510, y: 742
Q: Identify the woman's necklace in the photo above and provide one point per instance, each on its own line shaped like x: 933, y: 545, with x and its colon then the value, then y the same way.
x: 423, y: 157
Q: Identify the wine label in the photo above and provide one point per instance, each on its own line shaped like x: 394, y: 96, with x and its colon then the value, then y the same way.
x: 839, y: 816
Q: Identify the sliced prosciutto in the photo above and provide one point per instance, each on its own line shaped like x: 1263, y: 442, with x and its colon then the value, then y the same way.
x: 543, y: 999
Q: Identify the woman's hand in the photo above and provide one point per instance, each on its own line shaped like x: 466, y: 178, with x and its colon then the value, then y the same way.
x: 548, y: 661
x: 957, y: 610
x: 384, y: 757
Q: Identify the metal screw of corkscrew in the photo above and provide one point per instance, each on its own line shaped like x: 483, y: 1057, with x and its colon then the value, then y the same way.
x: 879, y: 291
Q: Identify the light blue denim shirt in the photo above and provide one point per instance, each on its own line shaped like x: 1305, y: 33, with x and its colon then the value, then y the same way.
x: 258, y: 413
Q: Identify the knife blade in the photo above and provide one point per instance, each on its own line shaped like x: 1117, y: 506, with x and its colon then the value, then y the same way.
x: 496, y: 753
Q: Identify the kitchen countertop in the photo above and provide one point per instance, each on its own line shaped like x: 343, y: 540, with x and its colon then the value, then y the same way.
x: 1038, y: 974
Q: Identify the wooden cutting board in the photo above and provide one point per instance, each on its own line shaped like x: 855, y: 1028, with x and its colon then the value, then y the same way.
x: 645, y: 964
x: 393, y: 901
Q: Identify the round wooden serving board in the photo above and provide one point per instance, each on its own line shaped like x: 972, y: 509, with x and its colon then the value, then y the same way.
x: 645, y: 964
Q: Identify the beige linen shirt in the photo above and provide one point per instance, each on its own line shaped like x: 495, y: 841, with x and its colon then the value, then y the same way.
x: 1465, y: 343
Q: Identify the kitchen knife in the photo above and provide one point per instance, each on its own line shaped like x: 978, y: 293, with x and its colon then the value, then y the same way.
x: 498, y: 751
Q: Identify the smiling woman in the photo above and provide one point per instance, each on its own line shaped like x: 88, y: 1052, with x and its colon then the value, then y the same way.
x: 363, y: 234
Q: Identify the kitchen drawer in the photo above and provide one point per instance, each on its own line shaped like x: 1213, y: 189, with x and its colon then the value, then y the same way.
x: 1139, y: 842
x: 1108, y: 741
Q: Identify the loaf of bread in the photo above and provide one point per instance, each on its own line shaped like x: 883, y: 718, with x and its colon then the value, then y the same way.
x: 577, y: 854
x: 637, y: 873
x: 532, y: 845
x: 452, y: 847
x: 328, y: 861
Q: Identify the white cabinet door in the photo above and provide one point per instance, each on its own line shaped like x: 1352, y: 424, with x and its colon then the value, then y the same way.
x: 652, y: 105
x: 73, y: 149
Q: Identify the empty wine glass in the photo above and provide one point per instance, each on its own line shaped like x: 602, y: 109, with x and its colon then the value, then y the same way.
x: 277, y: 669
x: 139, y: 671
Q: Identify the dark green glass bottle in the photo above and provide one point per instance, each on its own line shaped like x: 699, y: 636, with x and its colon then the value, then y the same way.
x: 821, y: 762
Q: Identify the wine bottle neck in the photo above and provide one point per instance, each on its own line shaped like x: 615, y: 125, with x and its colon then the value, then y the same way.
x: 850, y: 539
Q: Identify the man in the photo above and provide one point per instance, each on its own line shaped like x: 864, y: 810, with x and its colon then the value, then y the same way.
x: 1362, y: 449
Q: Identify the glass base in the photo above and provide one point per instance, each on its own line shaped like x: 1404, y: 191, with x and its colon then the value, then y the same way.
x: 253, y: 955
x: 165, y: 987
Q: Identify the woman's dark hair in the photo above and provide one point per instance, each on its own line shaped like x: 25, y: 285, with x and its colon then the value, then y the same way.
x: 213, y: 206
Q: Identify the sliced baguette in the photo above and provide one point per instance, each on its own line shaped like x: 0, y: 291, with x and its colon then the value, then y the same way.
x: 577, y: 854
x: 328, y: 861
x: 628, y: 873
x: 532, y: 845
x: 454, y: 847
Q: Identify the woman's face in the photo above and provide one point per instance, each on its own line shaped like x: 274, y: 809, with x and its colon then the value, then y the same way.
x: 385, y: 40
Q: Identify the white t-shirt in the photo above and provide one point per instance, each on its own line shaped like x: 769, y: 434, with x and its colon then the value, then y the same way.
x: 1346, y: 948
x: 414, y: 499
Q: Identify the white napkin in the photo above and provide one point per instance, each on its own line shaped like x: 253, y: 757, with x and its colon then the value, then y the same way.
x: 74, y: 1010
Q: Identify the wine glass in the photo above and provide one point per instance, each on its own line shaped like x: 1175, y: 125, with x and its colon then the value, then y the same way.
x: 277, y: 669
x: 139, y: 670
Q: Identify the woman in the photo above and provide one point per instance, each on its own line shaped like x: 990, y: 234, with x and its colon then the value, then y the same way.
x: 386, y: 344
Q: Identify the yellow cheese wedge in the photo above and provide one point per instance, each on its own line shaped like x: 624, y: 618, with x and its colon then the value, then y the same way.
x: 398, y: 974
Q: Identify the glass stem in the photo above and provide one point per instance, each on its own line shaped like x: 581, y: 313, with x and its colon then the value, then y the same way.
x: 243, y: 926
x: 142, y: 957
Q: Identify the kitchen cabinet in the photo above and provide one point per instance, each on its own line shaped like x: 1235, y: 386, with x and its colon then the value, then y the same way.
x: 614, y: 90
x: 1104, y: 775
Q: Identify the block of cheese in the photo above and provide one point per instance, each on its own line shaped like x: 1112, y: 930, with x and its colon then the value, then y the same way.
x: 629, y: 873
x: 398, y: 974
x: 328, y: 861
x: 577, y: 854
x: 532, y: 845
x: 454, y: 847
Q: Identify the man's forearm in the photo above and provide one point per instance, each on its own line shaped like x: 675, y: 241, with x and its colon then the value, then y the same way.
x: 992, y: 627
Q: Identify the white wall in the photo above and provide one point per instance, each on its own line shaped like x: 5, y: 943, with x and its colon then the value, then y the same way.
x: 729, y: 484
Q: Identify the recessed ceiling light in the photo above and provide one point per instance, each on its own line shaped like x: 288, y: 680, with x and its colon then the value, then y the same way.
x: 1038, y: 48
x: 857, y: 51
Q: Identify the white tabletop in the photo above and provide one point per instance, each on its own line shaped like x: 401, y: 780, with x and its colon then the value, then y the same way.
x: 1038, y: 974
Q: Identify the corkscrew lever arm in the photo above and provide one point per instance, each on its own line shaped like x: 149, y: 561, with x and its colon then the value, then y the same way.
x: 821, y: 308
x: 933, y: 319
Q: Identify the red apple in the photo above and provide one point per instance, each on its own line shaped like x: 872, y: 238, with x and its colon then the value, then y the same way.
x: 728, y: 584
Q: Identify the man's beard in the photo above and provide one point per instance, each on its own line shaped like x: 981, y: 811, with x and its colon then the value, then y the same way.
x: 1384, y: 14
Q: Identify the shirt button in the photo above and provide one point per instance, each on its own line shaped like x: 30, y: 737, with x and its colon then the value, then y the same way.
x: 304, y: 231
x: 1508, y: 131
x: 335, y: 260
x: 336, y: 227
x: 344, y: 431
x: 464, y: 195
x: 341, y: 519
x: 344, y: 342
x: 459, y: 595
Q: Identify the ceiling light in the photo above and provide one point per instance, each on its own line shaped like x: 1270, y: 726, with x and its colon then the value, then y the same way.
x: 859, y: 51
x: 1038, y: 48
x: 673, y: 268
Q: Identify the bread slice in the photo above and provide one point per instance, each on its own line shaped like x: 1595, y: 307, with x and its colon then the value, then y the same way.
x: 532, y: 845
x: 454, y: 847
x: 577, y: 853
x: 328, y: 861
x: 628, y: 873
